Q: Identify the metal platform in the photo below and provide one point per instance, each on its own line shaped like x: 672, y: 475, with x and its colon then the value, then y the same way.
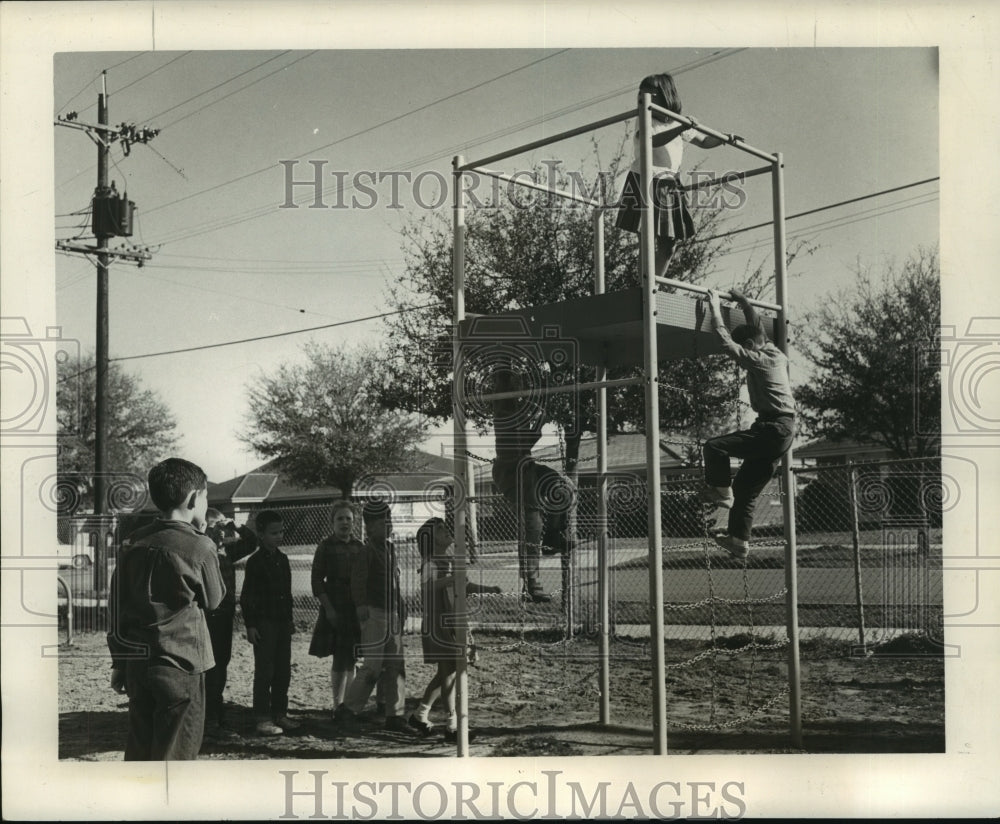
x: 607, y: 329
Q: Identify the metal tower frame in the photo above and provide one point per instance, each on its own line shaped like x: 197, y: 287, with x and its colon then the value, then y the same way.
x: 650, y: 286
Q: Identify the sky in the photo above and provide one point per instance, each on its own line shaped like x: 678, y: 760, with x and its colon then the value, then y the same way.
x: 230, y: 263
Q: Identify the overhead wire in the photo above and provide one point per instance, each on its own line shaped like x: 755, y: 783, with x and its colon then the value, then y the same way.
x: 260, y: 211
x: 211, y: 89
x: 360, y: 132
x: 234, y: 91
x: 599, y: 98
x: 256, y: 338
x: 201, y: 94
x: 94, y: 80
x: 143, y: 272
x: 877, y: 213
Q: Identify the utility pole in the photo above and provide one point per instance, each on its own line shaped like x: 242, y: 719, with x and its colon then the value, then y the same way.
x: 112, y: 216
x: 101, y: 357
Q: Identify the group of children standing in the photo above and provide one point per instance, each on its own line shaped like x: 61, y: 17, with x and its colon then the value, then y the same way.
x: 172, y: 605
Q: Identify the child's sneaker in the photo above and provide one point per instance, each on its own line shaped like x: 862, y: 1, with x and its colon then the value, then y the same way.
x: 423, y: 727
x: 736, y: 547
x: 716, y: 496
x: 268, y: 728
x: 286, y: 723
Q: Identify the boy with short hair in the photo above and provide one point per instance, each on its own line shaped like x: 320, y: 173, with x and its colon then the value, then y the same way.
x: 166, y: 577
x: 768, y: 438
x: 232, y: 544
x: 266, y: 601
x: 375, y: 590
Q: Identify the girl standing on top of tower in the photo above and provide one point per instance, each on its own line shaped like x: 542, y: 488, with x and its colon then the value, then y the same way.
x: 671, y: 219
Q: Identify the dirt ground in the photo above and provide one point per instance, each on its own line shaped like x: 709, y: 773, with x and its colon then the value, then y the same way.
x: 533, y: 698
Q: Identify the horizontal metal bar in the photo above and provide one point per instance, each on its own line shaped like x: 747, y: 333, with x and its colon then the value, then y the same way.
x: 739, y: 144
x: 702, y: 290
x: 760, y: 170
x: 535, y: 144
x: 569, y: 387
x: 511, y: 179
x: 716, y: 180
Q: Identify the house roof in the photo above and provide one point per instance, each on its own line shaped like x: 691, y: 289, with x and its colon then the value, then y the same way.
x: 826, y: 447
x: 625, y: 451
x: 268, y: 483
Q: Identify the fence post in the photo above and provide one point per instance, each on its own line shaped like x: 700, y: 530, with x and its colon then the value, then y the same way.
x: 856, y: 541
x: 567, y: 591
x: 69, y: 609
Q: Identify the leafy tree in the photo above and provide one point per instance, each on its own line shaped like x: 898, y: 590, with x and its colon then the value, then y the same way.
x: 869, y: 381
x: 141, y: 430
x: 322, y: 423
x: 532, y: 249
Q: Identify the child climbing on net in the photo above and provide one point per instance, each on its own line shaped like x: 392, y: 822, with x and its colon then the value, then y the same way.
x: 769, y: 437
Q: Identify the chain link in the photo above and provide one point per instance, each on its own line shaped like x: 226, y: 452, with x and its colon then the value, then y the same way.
x: 736, y: 722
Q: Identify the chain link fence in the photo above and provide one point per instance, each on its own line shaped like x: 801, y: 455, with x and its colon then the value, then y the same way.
x: 869, y: 561
x: 870, y: 549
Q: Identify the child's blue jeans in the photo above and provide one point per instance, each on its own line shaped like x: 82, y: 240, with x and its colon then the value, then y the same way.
x: 761, y: 447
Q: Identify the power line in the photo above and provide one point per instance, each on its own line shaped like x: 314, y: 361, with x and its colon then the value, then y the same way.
x: 252, y: 340
x: 195, y: 97
x: 825, y: 208
x: 91, y: 81
x: 241, y: 261
x: 270, y: 167
x: 232, y: 295
x: 345, y: 269
x: 236, y: 91
x: 846, y: 220
x: 277, y: 334
x: 213, y: 88
x: 852, y: 219
x: 261, y: 211
x: 151, y: 73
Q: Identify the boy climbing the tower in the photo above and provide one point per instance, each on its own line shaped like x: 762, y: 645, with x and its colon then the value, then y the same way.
x: 762, y: 445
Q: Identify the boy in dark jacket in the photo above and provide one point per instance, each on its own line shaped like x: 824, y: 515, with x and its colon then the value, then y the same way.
x: 232, y: 545
x: 266, y: 601
x: 165, y: 579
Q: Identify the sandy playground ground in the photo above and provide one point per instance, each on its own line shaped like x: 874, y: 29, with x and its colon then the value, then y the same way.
x: 534, y: 697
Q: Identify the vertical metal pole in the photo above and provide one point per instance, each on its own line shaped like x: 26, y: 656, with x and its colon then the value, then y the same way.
x: 458, y: 411
x: 856, y: 542
x: 69, y: 609
x: 101, y: 355
x: 651, y: 366
x: 604, y: 606
x: 787, y: 477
